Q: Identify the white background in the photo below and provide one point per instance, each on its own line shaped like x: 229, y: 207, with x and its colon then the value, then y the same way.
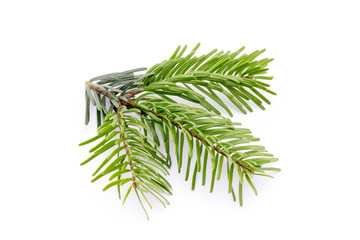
x: 49, y: 48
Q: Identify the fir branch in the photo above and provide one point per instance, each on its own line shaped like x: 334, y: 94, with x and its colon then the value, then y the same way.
x: 177, y: 125
x: 192, y: 78
x: 201, y: 128
x: 121, y: 124
x: 237, y: 78
x: 140, y: 158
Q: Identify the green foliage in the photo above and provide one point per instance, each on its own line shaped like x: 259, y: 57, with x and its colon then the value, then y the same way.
x: 132, y: 129
x: 114, y: 87
x: 133, y: 159
x: 213, y: 74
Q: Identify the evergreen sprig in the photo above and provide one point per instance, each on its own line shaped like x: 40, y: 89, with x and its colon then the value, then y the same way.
x: 129, y: 127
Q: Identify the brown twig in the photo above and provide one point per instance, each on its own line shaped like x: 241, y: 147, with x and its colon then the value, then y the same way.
x: 120, y: 115
x: 194, y: 134
x: 249, y: 76
x: 132, y: 94
x: 121, y: 102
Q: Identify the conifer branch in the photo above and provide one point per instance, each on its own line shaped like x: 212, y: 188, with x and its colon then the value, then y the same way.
x: 124, y: 140
x: 195, y: 79
x: 174, y: 123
